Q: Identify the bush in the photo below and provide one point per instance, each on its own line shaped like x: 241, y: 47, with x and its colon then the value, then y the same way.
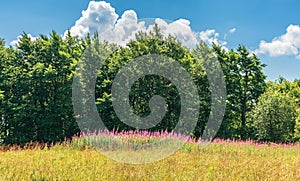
x: 274, y: 117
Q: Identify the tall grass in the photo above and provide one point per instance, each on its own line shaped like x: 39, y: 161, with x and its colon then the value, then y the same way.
x: 221, y: 160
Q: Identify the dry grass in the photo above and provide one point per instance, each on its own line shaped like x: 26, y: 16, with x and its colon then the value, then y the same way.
x: 218, y: 161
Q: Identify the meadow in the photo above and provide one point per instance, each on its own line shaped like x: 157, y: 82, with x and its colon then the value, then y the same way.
x: 220, y: 160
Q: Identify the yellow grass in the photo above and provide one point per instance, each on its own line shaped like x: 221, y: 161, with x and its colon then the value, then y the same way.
x: 218, y: 161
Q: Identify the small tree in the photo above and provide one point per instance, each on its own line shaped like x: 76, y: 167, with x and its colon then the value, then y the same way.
x: 274, y: 117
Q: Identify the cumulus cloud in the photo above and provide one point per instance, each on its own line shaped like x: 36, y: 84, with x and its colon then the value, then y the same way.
x: 15, y: 42
x: 180, y: 29
x: 102, y: 18
x: 286, y: 44
x: 211, y: 36
x: 98, y: 17
x: 124, y: 29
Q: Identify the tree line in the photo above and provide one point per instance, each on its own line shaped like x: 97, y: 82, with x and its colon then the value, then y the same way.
x: 36, y: 89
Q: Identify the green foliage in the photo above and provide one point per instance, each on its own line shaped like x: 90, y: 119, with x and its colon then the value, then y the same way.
x: 37, y: 89
x: 284, y: 86
x: 146, y: 87
x: 274, y: 117
x: 245, y: 82
x: 297, y: 127
x: 36, y: 86
x: 292, y: 89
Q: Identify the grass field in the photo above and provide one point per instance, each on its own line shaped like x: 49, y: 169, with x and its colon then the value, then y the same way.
x: 220, y: 160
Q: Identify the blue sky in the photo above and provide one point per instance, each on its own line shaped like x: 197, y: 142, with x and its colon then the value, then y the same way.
x: 268, y: 27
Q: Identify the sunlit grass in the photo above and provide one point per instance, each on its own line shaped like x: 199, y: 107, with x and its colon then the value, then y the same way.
x: 221, y: 160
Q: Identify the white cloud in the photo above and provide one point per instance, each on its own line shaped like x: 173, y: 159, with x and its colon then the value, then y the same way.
x: 101, y: 17
x: 124, y: 29
x: 286, y: 44
x: 209, y: 36
x: 180, y: 29
x: 212, y: 36
x: 15, y: 42
x: 277, y: 48
x: 232, y: 30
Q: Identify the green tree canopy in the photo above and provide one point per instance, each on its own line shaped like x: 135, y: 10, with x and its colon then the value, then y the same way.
x: 274, y: 117
x: 245, y: 82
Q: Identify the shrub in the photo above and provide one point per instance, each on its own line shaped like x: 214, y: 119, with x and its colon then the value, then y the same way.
x: 274, y: 117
